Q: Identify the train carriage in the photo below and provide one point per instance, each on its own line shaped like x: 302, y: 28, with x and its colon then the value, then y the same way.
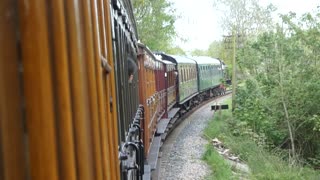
x: 161, y: 94
x: 130, y: 112
x: 69, y: 108
x: 171, y: 76
x: 66, y: 107
x: 125, y: 48
x: 187, y: 80
x: 209, y: 71
x: 148, y: 93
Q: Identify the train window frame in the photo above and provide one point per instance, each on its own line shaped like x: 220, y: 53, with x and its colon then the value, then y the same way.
x: 184, y: 74
x: 189, y: 73
x: 181, y: 74
x: 192, y: 71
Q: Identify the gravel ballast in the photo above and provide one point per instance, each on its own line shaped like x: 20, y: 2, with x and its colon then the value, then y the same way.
x: 183, y: 149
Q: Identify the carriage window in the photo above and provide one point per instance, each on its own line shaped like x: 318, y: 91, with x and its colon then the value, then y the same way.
x: 191, y: 73
x: 188, y: 75
x: 186, y: 71
x: 185, y: 74
x: 182, y: 74
x: 171, y: 79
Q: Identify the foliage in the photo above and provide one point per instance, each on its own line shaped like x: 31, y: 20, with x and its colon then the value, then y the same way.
x: 176, y: 51
x: 246, y: 17
x: 155, y: 23
x: 216, y: 50
x: 221, y: 169
x: 263, y: 164
x: 280, y: 99
x: 199, y: 52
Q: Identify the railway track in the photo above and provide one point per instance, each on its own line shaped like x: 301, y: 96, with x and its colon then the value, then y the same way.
x: 178, y: 130
x: 187, y: 114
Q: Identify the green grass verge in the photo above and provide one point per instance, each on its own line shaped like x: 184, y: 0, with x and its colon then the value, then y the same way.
x: 221, y: 169
x: 262, y: 163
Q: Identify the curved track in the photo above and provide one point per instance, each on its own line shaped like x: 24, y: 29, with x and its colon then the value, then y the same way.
x: 183, y: 148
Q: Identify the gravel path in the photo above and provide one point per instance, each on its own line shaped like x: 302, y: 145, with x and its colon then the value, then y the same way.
x: 183, y: 150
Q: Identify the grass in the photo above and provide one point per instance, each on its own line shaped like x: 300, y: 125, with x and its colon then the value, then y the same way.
x: 221, y: 169
x: 262, y: 163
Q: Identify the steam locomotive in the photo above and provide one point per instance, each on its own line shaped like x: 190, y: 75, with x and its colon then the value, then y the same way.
x: 68, y: 109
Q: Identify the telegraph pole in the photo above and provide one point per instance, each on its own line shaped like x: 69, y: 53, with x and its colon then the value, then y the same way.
x: 228, y: 40
x: 234, y: 78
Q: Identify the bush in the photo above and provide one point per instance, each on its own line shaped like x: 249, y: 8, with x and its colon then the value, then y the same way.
x: 263, y: 164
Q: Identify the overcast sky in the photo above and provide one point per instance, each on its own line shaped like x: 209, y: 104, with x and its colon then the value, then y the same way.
x: 199, y: 22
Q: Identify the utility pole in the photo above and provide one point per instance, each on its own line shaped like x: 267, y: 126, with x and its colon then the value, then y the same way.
x: 230, y: 43
x: 234, y: 78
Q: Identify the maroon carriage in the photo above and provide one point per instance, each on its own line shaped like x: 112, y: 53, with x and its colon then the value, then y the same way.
x: 165, y: 86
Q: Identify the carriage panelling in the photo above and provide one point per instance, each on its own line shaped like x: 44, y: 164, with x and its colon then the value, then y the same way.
x: 161, y: 95
x: 107, y: 110
x: 171, y: 84
x: 148, y: 91
x: 71, y: 131
x: 124, y: 40
x: 143, y: 95
x: 38, y: 92
x: 12, y: 149
x: 210, y: 72
x: 167, y: 92
x: 188, y: 82
x: 125, y: 47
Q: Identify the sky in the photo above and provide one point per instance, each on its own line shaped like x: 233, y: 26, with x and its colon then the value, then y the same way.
x: 199, y: 22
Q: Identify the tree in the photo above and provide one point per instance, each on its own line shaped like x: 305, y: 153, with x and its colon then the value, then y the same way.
x: 241, y: 19
x: 280, y: 98
x: 246, y: 17
x: 199, y: 52
x: 216, y: 50
x: 176, y: 51
x: 155, y: 23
